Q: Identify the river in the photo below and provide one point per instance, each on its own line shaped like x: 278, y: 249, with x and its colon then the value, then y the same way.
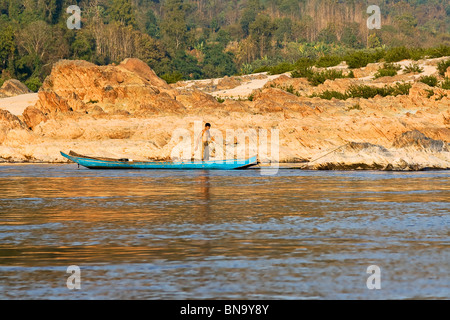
x: 223, y: 234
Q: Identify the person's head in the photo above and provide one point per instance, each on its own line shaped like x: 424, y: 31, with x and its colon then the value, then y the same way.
x: 207, y: 126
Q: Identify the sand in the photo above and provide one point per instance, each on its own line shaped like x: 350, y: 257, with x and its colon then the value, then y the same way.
x: 16, y: 105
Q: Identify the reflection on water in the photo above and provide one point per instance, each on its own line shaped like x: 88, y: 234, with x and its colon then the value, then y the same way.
x: 218, y: 234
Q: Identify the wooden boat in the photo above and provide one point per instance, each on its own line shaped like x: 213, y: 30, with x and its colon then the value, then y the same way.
x: 108, y: 163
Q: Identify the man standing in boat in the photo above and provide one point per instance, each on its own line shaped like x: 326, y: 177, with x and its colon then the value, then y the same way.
x: 205, y: 138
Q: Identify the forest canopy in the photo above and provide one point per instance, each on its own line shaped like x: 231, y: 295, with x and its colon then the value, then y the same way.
x: 193, y: 39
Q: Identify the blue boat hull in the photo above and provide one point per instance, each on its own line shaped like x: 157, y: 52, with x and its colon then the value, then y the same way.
x: 103, y: 163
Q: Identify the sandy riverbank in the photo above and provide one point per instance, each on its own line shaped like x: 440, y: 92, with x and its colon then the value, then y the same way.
x: 17, y: 105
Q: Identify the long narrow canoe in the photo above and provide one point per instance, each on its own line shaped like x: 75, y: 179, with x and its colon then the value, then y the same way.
x: 108, y: 163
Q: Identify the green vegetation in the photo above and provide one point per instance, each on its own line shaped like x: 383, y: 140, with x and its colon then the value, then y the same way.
x: 289, y: 89
x: 33, y: 83
x: 445, y: 84
x: 220, y: 100
x: 438, y: 95
x: 354, y: 107
x: 316, y: 78
x: 330, y: 94
x: 361, y: 58
x: 366, y: 92
x: 281, y: 68
x: 413, y: 68
x: 329, y: 61
x: 388, y: 70
x: 429, y: 80
x: 443, y: 66
x: 195, y: 39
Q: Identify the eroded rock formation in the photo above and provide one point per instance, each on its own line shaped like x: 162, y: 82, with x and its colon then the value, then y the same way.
x: 125, y: 110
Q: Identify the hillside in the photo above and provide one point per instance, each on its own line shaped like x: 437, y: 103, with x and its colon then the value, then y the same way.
x: 202, y: 39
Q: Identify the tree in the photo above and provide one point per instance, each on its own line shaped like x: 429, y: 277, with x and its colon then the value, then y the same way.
x: 151, y: 24
x: 283, y: 32
x: 152, y: 52
x: 327, y: 35
x: 350, y: 37
x: 373, y: 41
x: 223, y: 37
x: 249, y: 15
x: 173, y: 25
x: 262, y: 30
x: 36, y: 39
x: 84, y: 46
x: 187, y: 65
x: 122, y: 12
x: 7, y: 45
x: 218, y: 63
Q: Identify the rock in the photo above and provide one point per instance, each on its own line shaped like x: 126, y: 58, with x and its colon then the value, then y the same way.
x: 127, y: 111
x: 366, y: 71
x: 10, y: 123
x: 285, y: 82
x: 141, y: 69
x: 50, y: 103
x: 129, y: 88
x: 419, y: 90
x: 228, y: 83
x: 33, y: 116
x: 417, y: 140
x: 13, y: 88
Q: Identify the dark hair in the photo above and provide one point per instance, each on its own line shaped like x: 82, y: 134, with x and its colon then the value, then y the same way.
x: 208, y: 124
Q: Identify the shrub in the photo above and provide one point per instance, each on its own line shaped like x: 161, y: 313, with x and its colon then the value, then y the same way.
x: 430, y: 93
x: 172, y: 77
x: 33, y: 83
x: 397, y: 54
x: 438, y: 52
x: 429, y: 80
x: 289, y: 89
x: 365, y: 92
x: 413, y: 68
x: 358, y: 59
x: 385, y: 73
x: 442, y: 66
x: 401, y: 89
x: 330, y: 94
x: 361, y: 58
x: 392, y: 66
x: 388, y: 70
x: 303, y: 63
x: 354, y: 107
x: 445, y: 84
x: 417, y: 53
x: 328, y: 61
x: 316, y: 78
x: 281, y: 68
x: 261, y: 69
x: 302, y: 72
x: 320, y: 77
x: 220, y: 100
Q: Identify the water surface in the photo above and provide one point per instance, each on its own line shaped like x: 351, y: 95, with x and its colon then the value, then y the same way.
x: 222, y: 235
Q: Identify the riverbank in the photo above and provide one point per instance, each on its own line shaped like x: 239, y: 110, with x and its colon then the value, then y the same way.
x: 125, y: 110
